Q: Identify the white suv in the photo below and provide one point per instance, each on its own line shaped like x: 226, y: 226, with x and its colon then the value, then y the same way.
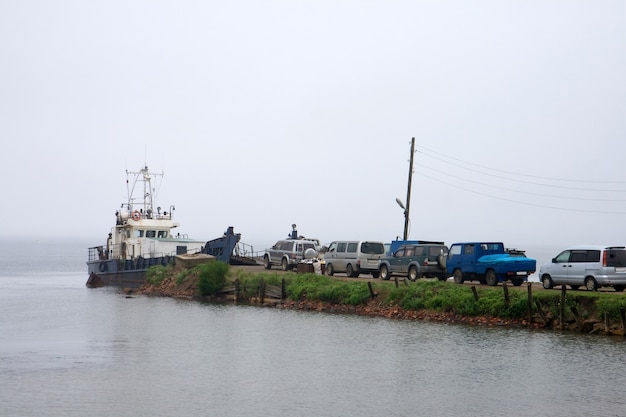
x: 287, y: 253
x: 591, y: 266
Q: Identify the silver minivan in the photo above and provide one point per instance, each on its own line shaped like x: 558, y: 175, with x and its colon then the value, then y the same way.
x: 354, y: 257
x: 593, y: 266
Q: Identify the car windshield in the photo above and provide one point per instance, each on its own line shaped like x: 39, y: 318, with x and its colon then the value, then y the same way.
x: 373, y: 248
x: 616, y: 257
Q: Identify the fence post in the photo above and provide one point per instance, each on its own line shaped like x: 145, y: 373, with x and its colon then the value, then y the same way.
x: 236, y: 290
x: 372, y: 293
x: 579, y: 320
x: 541, y: 313
x: 530, y: 302
x: 475, y: 293
x: 507, y: 301
x: 562, y: 307
x: 262, y: 291
x: 283, y: 291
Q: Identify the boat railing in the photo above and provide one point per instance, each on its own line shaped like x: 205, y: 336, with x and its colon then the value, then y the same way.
x: 246, y: 251
x: 100, y: 253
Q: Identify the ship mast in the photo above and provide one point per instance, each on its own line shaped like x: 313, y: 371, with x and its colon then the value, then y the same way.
x: 147, y: 202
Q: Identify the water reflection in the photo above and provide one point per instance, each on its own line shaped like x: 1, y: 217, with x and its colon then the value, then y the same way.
x: 148, y: 356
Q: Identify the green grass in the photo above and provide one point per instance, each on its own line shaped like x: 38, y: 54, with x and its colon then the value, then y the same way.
x: 212, y: 277
x: 424, y: 294
x: 155, y: 275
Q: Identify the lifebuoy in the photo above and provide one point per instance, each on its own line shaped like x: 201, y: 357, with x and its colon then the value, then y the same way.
x: 136, y: 215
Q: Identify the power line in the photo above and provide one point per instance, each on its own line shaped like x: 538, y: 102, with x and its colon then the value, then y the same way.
x: 516, y: 173
x: 523, y: 202
x: 522, y: 192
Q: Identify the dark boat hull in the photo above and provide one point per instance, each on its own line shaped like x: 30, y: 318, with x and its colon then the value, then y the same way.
x: 124, y: 274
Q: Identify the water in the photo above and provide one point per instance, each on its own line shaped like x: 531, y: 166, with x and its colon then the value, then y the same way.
x: 66, y: 350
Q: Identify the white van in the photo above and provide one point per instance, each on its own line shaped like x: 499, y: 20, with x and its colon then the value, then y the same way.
x: 592, y: 266
x: 354, y: 257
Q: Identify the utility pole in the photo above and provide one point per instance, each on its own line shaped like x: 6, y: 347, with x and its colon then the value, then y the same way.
x: 408, y: 192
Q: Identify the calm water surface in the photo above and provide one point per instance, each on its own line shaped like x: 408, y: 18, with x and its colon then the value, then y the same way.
x: 66, y: 350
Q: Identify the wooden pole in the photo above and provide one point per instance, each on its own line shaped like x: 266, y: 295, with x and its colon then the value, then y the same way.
x: 562, y: 307
x: 372, y: 293
x: 579, y: 320
x: 622, y: 315
x: 507, y: 300
x: 475, y: 293
x: 236, y: 290
x: 541, y: 313
x: 530, y: 302
x: 283, y: 291
x: 262, y: 291
x: 408, y: 191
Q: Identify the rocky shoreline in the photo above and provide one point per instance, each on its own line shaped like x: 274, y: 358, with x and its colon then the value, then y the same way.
x: 188, y: 290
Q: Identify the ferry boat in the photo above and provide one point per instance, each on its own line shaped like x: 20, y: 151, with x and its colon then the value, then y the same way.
x: 143, y: 236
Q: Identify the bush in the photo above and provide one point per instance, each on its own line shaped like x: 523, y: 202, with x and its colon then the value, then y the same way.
x: 155, y: 275
x: 212, y: 277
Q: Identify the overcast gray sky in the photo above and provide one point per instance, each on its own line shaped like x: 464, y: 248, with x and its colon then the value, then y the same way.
x: 268, y: 113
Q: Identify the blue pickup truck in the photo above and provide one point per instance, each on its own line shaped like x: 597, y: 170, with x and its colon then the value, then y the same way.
x: 488, y: 263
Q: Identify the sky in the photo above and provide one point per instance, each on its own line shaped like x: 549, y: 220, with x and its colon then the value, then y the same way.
x: 266, y: 114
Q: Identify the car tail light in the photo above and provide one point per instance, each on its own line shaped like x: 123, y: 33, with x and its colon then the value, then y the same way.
x: 603, y: 258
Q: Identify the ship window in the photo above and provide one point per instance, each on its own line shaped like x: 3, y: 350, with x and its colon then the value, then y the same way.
x: 150, y: 233
x: 138, y: 233
x: 162, y: 234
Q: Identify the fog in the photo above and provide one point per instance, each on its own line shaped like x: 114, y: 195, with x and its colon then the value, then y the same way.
x: 266, y: 114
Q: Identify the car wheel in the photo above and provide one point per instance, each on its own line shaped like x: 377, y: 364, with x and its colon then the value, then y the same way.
x: 619, y: 288
x: 384, y: 272
x: 284, y: 264
x: 329, y: 270
x: 458, y: 276
x: 491, y: 278
x: 266, y: 262
x: 591, y: 284
x: 413, y: 273
x: 349, y: 270
x: 375, y: 274
x: 546, y: 280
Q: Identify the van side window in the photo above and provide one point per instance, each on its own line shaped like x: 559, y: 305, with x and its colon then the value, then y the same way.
x: 419, y: 250
x: 563, y: 257
x: 468, y: 250
x: 593, y: 256
x: 352, y: 247
x: 341, y: 247
x: 455, y: 250
x: 578, y: 256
